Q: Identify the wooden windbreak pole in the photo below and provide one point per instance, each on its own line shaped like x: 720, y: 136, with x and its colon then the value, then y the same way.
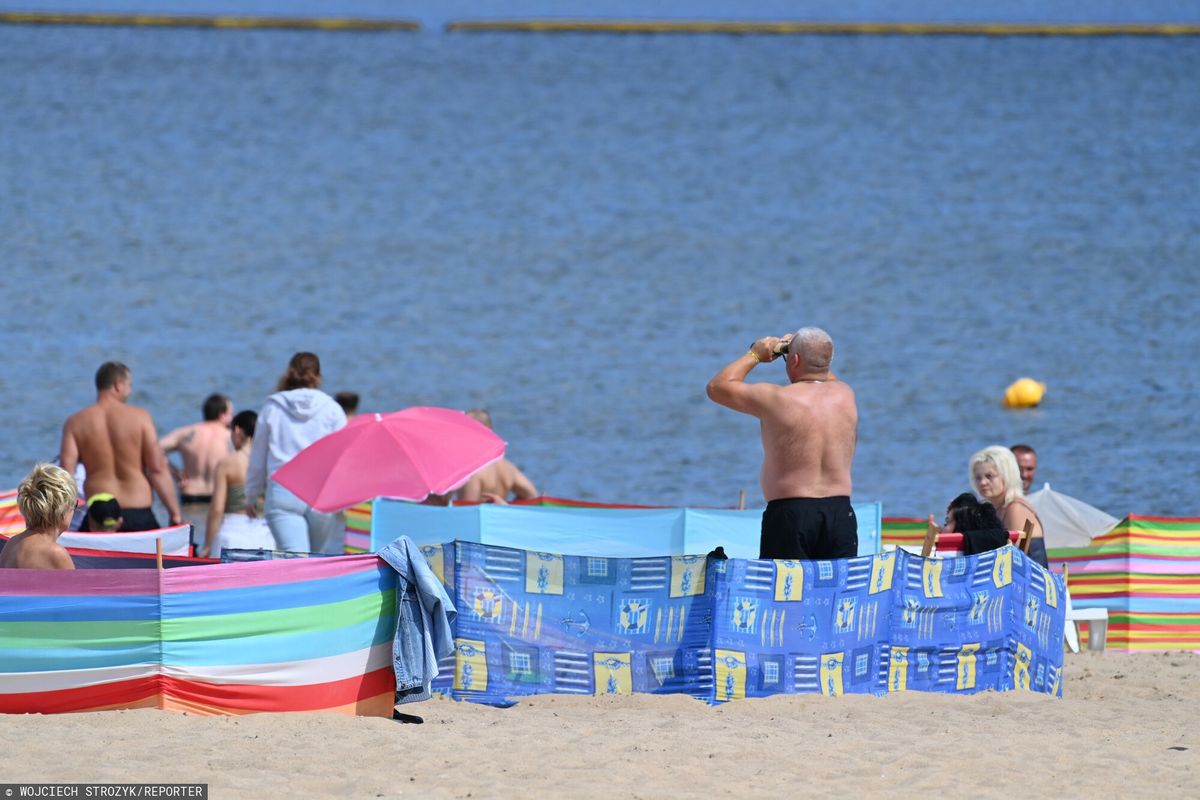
x: 158, y: 552
x: 1027, y: 536
x: 741, y: 500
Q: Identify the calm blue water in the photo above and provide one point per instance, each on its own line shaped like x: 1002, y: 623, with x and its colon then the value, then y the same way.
x: 434, y: 15
x: 578, y: 231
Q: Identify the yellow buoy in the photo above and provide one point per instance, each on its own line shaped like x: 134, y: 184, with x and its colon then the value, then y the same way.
x: 1024, y: 393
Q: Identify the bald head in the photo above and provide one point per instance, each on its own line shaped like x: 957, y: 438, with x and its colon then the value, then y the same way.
x: 814, y: 348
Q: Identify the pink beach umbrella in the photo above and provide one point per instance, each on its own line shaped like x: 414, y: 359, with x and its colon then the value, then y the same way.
x: 407, y: 455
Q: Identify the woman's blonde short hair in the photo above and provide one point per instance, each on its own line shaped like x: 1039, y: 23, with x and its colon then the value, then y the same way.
x: 46, y: 496
x: 1005, y: 463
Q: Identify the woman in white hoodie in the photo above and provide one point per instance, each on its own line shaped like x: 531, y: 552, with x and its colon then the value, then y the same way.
x: 294, y: 417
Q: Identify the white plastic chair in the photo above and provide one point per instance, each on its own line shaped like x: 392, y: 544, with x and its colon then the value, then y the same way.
x: 1096, y: 618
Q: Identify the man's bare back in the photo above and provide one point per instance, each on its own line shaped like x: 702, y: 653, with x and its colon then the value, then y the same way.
x: 502, y: 479
x: 117, y: 444
x: 808, y: 438
x: 497, y: 482
x: 203, y: 447
x: 110, y: 441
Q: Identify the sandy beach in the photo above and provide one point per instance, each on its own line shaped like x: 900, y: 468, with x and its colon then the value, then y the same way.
x: 1125, y: 727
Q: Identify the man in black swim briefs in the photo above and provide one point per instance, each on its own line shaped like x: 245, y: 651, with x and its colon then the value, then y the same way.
x: 117, y: 444
x: 809, y: 431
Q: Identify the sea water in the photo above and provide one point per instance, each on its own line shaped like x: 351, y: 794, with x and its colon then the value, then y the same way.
x: 578, y: 231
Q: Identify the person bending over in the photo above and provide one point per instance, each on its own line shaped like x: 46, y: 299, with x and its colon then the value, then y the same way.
x: 104, y: 514
x: 809, y: 431
x: 46, y: 499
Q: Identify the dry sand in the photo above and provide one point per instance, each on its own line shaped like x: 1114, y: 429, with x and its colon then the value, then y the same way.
x: 1126, y: 727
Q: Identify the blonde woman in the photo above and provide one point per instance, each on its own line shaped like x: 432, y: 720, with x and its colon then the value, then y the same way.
x: 996, y: 478
x: 46, y: 499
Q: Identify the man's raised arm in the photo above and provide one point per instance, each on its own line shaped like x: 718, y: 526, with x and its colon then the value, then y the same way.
x: 172, y: 441
x: 729, y: 388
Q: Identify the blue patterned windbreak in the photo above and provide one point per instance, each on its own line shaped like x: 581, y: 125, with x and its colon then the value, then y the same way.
x: 536, y: 623
x: 612, y: 532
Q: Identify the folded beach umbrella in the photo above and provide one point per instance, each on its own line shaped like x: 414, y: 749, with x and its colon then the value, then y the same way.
x: 1068, y: 522
x: 407, y: 455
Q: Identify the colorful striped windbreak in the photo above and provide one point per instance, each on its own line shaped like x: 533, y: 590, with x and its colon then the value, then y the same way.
x: 11, y: 520
x: 1146, y: 572
x: 302, y: 635
x: 358, y: 528
x: 904, y: 531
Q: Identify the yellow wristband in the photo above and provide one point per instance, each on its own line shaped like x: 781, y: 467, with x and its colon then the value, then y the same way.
x: 754, y: 355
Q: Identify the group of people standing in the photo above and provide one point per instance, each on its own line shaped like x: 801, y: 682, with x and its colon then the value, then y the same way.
x: 224, y: 485
x: 226, y: 459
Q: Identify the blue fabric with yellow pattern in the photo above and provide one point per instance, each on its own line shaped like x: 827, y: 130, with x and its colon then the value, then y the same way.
x: 538, y: 623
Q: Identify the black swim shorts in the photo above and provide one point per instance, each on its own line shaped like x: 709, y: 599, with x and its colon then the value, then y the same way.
x: 809, y: 529
x: 134, y: 519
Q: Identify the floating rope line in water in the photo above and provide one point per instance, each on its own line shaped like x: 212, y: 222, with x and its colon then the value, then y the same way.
x: 172, y: 21
x: 829, y: 28
x: 615, y: 25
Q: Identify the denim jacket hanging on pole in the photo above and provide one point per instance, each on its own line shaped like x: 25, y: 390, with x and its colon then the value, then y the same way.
x: 424, y: 621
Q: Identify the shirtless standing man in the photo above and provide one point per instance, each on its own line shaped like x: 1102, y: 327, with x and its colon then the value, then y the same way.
x: 809, y: 430
x: 498, y: 481
x: 203, y: 446
x: 117, y: 444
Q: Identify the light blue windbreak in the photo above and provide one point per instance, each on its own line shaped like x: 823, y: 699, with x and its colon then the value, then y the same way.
x: 539, y: 623
x: 607, y: 532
